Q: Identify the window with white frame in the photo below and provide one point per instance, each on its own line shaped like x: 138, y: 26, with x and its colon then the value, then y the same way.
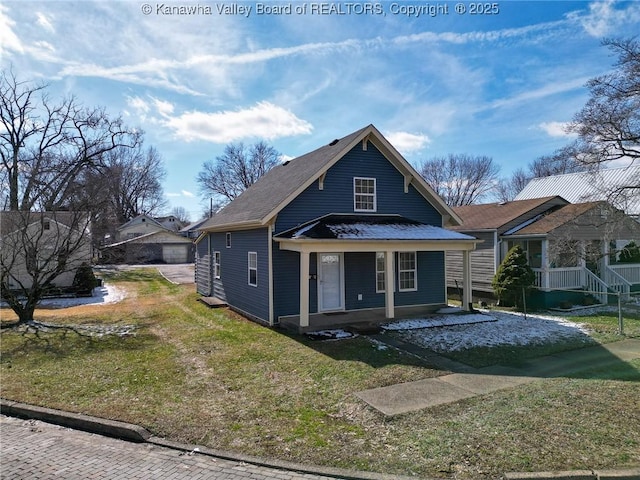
x: 364, y: 194
x: 216, y: 264
x: 407, y: 271
x: 253, y: 269
x: 228, y: 239
x: 380, y: 272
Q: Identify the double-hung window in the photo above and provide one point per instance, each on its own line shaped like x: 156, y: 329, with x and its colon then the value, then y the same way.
x: 364, y: 194
x: 216, y: 264
x: 407, y: 271
x: 380, y: 275
x: 253, y: 269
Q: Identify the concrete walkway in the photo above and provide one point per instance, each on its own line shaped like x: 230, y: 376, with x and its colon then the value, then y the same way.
x: 468, y: 382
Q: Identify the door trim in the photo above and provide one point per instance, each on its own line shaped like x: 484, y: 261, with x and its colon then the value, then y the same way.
x: 341, y: 308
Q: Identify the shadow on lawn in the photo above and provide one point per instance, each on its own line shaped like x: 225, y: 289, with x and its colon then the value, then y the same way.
x: 359, y: 349
x: 580, y: 358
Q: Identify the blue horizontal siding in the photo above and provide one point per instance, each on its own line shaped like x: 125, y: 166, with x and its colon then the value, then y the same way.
x: 337, y: 194
x: 234, y: 270
x: 360, y: 278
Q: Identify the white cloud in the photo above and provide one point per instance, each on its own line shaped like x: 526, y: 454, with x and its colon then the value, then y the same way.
x: 604, y: 19
x: 173, y: 195
x: 183, y: 193
x: 186, y: 193
x: 44, y: 22
x: 407, y: 142
x: 264, y: 120
x: 8, y: 39
x: 164, y: 108
x: 544, y: 91
x: 555, y: 129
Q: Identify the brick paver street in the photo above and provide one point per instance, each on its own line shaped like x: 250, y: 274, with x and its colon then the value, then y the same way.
x: 30, y: 449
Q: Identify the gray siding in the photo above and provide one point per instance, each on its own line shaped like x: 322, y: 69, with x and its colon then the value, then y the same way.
x: 337, y: 194
x: 482, y: 263
x: 203, y: 268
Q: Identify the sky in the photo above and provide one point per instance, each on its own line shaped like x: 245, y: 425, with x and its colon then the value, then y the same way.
x: 436, y: 78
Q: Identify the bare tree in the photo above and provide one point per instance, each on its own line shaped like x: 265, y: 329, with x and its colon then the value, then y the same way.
x: 46, y: 150
x: 608, y: 126
x: 560, y: 162
x: 564, y: 160
x: 461, y: 179
x: 507, y: 189
x: 236, y: 170
x: 40, y: 252
x: 45, y: 146
x: 181, y: 214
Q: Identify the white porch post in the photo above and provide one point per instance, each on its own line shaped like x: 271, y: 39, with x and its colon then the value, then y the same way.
x: 304, y: 289
x: 466, y: 280
x: 389, y: 282
x: 544, y: 261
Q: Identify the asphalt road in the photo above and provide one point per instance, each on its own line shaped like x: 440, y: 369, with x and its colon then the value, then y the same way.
x: 183, y: 273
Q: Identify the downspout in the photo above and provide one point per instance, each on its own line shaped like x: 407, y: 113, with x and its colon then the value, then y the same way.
x: 270, y: 271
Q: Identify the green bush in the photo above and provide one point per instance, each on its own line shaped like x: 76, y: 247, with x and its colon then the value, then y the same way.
x: 84, y: 281
x: 514, y: 275
x: 630, y: 253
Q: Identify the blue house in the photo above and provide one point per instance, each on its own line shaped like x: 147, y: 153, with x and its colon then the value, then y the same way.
x: 347, y: 233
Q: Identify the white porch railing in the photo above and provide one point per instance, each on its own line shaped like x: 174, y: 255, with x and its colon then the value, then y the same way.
x: 617, y: 283
x: 629, y: 271
x: 583, y: 279
x: 554, y: 278
x: 595, y: 285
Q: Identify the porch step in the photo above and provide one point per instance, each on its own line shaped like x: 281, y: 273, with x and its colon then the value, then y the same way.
x: 213, y: 302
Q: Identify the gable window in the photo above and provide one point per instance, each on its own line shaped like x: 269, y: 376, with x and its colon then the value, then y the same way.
x: 253, y: 269
x: 364, y: 194
x: 46, y: 225
x: 216, y: 264
x: 407, y: 271
x: 228, y: 240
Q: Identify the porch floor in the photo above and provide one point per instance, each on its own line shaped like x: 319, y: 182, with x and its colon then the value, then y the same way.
x: 356, y: 318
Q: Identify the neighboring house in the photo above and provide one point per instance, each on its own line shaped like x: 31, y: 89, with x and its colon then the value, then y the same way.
x: 349, y: 232
x: 588, y: 187
x: 193, y: 230
x: 170, y: 222
x: 161, y: 246
x: 569, y: 246
x: 44, y: 238
x: 138, y: 226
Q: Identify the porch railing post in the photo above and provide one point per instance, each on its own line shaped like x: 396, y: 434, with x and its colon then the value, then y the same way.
x: 304, y: 289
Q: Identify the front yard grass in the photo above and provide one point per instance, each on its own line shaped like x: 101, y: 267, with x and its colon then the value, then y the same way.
x: 212, y: 378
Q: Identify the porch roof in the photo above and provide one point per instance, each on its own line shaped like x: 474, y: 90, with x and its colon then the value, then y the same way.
x: 371, y: 228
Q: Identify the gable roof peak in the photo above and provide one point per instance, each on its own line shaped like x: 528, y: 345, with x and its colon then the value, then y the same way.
x: 259, y: 203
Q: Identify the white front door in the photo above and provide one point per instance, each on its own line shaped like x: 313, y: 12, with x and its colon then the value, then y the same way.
x: 330, y: 282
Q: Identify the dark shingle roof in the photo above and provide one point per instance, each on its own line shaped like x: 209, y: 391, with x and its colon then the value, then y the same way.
x: 547, y: 223
x: 492, y: 216
x: 264, y: 199
x: 275, y: 186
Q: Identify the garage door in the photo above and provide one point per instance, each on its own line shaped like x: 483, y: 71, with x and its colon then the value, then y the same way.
x: 175, y: 253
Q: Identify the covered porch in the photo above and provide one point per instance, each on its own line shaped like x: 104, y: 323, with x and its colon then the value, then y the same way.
x: 589, y: 265
x: 396, y: 260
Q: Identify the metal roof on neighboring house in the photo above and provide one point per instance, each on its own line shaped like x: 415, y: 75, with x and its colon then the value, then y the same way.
x: 586, y: 187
